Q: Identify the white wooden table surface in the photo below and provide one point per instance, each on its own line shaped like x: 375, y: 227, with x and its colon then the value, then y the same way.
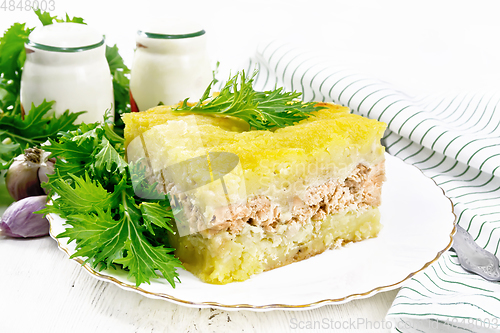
x: 41, y: 290
x: 422, y: 47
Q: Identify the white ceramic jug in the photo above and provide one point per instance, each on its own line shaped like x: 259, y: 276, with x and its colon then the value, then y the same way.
x: 66, y: 63
x: 170, y: 64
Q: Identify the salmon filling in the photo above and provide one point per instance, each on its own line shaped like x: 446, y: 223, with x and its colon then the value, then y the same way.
x: 250, y: 239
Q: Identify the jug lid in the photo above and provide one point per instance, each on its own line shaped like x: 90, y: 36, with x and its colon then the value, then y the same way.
x: 65, y: 37
x: 171, y: 28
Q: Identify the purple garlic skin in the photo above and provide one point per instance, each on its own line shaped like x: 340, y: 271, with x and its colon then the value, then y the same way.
x: 19, y: 220
x: 27, y: 172
x: 44, y: 171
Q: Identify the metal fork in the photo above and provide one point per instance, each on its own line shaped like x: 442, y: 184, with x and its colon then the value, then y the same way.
x: 474, y: 258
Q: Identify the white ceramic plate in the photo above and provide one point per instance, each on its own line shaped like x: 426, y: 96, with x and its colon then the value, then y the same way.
x: 418, y: 227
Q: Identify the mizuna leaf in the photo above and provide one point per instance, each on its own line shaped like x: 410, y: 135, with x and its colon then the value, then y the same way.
x: 261, y: 110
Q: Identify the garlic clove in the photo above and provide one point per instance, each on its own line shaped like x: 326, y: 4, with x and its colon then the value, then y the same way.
x: 20, y: 219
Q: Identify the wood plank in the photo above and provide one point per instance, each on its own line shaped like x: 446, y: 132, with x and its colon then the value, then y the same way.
x: 44, y: 291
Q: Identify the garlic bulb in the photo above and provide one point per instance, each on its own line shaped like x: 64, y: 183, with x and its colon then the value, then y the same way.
x: 26, y: 173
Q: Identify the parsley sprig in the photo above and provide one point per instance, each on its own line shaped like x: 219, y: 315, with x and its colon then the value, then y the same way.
x: 12, y: 57
x: 110, y: 224
x: 121, y: 82
x: 17, y: 134
x: 265, y: 110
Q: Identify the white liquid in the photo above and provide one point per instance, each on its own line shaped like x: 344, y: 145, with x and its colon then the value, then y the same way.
x: 76, y: 81
x: 169, y: 71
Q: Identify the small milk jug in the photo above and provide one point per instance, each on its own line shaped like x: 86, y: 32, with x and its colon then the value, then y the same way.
x: 170, y: 64
x: 66, y: 63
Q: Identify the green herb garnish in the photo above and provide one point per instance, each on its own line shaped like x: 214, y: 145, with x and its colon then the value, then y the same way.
x: 109, y: 223
x: 46, y: 19
x: 37, y: 127
x: 12, y: 57
x: 265, y: 110
x: 120, y: 86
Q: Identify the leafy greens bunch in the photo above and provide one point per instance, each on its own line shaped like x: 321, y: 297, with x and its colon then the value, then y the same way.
x: 17, y: 133
x: 109, y: 223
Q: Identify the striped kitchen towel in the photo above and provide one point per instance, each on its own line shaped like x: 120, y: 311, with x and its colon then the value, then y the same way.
x: 454, y: 139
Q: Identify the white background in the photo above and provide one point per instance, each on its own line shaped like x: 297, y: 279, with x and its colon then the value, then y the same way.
x: 420, y: 46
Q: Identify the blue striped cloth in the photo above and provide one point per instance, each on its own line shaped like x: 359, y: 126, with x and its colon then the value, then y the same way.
x: 454, y: 139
